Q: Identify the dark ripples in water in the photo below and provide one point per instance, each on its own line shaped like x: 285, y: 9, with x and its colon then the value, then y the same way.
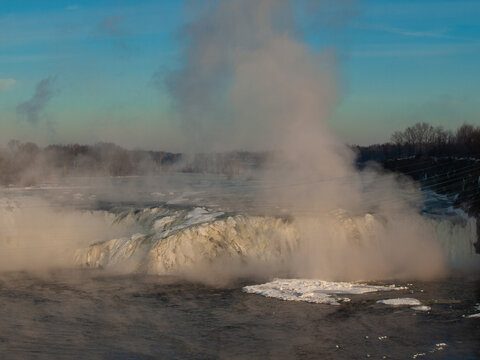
x: 89, y: 315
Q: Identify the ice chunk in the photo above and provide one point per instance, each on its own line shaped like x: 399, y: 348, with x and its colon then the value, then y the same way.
x: 473, y: 316
x: 400, y: 302
x: 314, y: 291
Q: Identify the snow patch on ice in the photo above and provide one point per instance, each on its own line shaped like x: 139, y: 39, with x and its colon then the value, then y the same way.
x: 313, y: 291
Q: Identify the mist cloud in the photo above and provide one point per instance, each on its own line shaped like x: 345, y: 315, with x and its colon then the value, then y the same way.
x: 246, y: 74
x: 111, y: 26
x: 6, y: 84
x: 45, y: 90
x: 157, y: 80
x: 249, y: 81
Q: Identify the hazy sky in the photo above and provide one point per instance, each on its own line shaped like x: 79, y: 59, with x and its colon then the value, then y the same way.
x: 92, y: 70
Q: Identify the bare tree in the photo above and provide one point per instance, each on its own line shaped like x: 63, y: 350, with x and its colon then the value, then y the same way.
x: 468, y: 139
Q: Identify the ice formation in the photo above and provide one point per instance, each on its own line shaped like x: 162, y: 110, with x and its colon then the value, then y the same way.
x: 175, y: 240
x: 172, y: 239
x: 169, y: 240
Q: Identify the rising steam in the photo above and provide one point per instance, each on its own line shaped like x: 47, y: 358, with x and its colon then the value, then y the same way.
x: 249, y: 81
x: 44, y: 93
x: 36, y: 234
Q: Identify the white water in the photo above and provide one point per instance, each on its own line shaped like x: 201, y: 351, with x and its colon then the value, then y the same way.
x: 173, y: 241
x: 178, y: 240
x: 458, y: 238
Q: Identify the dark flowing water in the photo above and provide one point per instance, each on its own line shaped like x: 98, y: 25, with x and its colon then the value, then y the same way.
x: 92, y: 315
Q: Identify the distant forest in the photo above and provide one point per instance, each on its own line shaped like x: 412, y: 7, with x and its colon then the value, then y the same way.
x: 422, y: 140
x: 29, y: 164
x: 446, y: 162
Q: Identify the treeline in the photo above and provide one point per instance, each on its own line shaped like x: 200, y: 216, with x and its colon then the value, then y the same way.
x: 423, y: 139
x: 443, y: 161
x: 28, y: 164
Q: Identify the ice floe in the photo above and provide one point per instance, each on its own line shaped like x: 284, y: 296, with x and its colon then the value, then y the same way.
x: 438, y: 347
x: 473, y: 316
x: 314, y: 291
x: 400, y: 302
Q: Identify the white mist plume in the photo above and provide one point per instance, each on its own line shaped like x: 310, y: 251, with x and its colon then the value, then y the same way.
x: 37, y: 235
x: 249, y: 81
x: 245, y: 52
x: 44, y: 92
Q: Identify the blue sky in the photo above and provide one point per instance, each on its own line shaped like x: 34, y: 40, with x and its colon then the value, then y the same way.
x: 400, y: 62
